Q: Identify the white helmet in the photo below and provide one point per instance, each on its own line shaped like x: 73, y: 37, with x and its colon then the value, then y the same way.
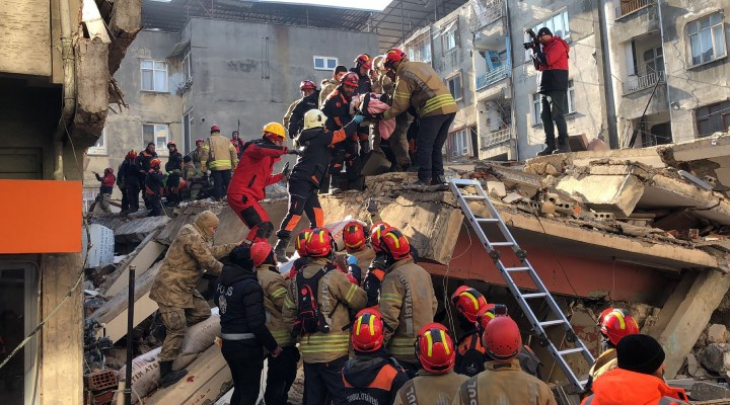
x: 314, y: 119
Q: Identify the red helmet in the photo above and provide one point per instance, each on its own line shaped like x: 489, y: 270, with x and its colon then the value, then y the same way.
x: 108, y: 170
x: 484, y: 316
x: 171, y: 143
x: 392, y: 57
x: 364, y: 60
x: 199, y: 140
x: 215, y: 128
x: 367, y: 331
x: 468, y: 302
x: 131, y: 154
x: 307, y: 85
x: 375, y: 232
x: 301, y: 240
x: 435, y: 349
x: 319, y: 243
x: 259, y: 252
x: 395, y: 244
x: 354, y: 235
x: 616, y: 324
x: 155, y: 163
x: 351, y: 79
x: 502, y: 340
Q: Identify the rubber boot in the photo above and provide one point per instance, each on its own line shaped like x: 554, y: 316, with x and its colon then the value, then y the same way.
x: 548, y: 149
x: 563, y: 147
x: 280, y: 249
x: 169, y: 377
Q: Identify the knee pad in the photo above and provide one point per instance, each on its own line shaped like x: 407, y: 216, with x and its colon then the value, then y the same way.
x: 265, y: 230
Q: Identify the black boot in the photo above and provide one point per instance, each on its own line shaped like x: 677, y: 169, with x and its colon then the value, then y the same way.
x: 563, y: 147
x: 280, y: 249
x: 169, y: 377
x: 548, y: 149
x: 437, y: 180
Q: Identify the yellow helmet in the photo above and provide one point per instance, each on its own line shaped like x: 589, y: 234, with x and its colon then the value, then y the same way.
x: 314, y: 119
x: 276, y: 129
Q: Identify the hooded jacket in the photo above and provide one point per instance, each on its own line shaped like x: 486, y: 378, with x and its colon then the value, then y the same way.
x: 504, y: 383
x: 431, y: 389
x: 606, y: 362
x: 372, y: 379
x: 418, y: 86
x: 624, y: 387
x: 552, y: 62
x: 254, y: 171
x: 314, y: 156
x: 190, y: 255
x: 275, y: 289
x: 296, y: 121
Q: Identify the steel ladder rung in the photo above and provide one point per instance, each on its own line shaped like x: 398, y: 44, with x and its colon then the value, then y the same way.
x: 487, y: 220
x: 472, y: 197
x: 570, y: 351
x: 552, y: 323
x: 499, y: 244
x: 511, y: 269
x: 534, y: 295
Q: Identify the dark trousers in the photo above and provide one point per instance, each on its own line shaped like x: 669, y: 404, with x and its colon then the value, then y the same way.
x: 554, y: 107
x: 432, y: 135
x: 125, y: 199
x: 324, y: 379
x: 302, y: 199
x: 221, y: 178
x: 281, y: 376
x: 246, y: 363
x: 155, y: 203
x: 131, y: 192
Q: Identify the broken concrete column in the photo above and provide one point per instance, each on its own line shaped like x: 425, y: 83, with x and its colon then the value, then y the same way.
x: 125, y: 23
x: 92, y: 101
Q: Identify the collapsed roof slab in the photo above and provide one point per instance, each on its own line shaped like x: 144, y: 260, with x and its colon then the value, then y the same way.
x: 668, y: 192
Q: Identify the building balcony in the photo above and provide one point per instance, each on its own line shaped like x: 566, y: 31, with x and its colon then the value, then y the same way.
x: 485, y: 13
x: 495, y: 138
x: 489, y: 78
x: 636, y: 19
x: 632, y: 6
x: 636, y: 83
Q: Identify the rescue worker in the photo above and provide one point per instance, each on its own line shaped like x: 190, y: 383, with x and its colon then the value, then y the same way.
x: 301, y: 261
x: 200, y: 155
x: 376, y: 270
x: 418, y: 86
x: 143, y: 162
x: 173, y: 167
x: 244, y: 331
x: 503, y: 381
x: 363, y: 63
x: 154, y: 184
x: 317, y: 306
x: 237, y: 143
x: 371, y: 377
x: 190, y: 255
x: 407, y: 300
x: 470, y: 353
x: 395, y: 148
x: 105, y: 190
x: 310, y: 99
x: 128, y: 182
x: 614, y: 325
x: 436, y: 382
x: 287, y: 115
x: 194, y: 177
x: 329, y: 85
x: 252, y: 175
x: 222, y: 159
x: 639, y: 378
x: 337, y: 110
x: 356, y: 244
x: 307, y: 175
x: 282, y: 368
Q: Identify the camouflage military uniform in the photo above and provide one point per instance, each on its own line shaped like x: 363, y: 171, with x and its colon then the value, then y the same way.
x: 190, y: 255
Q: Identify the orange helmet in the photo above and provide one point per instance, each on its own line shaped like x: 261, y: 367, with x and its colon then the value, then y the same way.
x: 351, y: 79
x: 616, y: 324
x: 367, y: 331
x: 259, y: 252
x: 395, y: 244
x: 468, y: 301
x: 375, y: 232
x: 131, y: 154
x: 300, y: 241
x: 354, y: 235
x: 364, y: 60
x: 307, y: 85
x: 435, y: 349
x: 392, y: 57
x: 501, y: 339
x: 319, y: 243
x: 155, y: 163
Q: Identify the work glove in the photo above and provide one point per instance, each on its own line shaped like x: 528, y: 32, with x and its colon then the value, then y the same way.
x: 294, y: 152
x: 351, y: 260
x: 372, y: 206
x: 286, y: 172
x: 359, y: 118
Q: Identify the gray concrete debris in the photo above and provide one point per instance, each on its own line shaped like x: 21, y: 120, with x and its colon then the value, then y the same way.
x: 712, y: 357
x: 707, y: 391
x: 717, y: 333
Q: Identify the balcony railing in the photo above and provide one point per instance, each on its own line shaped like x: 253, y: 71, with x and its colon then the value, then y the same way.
x: 628, y: 7
x: 492, y: 77
x: 485, y: 12
x: 636, y: 83
x: 494, y: 138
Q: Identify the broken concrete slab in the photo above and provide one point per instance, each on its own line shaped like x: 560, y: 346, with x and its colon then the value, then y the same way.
x: 717, y: 334
x: 709, y: 391
x: 712, y: 357
x: 137, y: 230
x: 614, y: 193
x: 669, y: 192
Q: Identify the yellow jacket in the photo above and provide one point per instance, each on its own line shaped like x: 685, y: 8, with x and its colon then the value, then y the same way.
x: 221, y: 153
x: 275, y: 289
x: 417, y: 85
x: 504, y: 383
x: 430, y: 389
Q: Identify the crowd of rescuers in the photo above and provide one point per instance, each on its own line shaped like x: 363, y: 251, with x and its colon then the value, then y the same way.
x: 364, y: 326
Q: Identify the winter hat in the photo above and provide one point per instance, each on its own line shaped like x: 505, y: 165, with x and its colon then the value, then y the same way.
x: 204, y: 221
x: 640, y: 353
x: 544, y: 31
x: 241, y: 256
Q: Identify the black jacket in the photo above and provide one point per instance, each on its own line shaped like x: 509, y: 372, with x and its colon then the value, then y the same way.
x: 154, y: 182
x: 296, y: 121
x: 364, y: 85
x: 337, y: 110
x: 144, y: 158
x: 372, y: 379
x: 314, y: 155
x: 175, y: 162
x: 240, y: 300
x: 128, y: 174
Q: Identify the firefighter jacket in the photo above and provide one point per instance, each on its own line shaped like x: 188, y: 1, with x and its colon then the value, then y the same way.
x: 175, y: 162
x: 431, y: 389
x: 470, y: 354
x: 221, y: 153
x: 192, y: 173
x: 364, y: 85
x: 296, y: 121
x: 154, y: 182
x: 407, y: 304
x: 372, y: 379
x: 144, y: 158
x: 287, y: 116
x: 327, y: 87
x: 337, y: 109
x: 417, y: 85
x: 623, y: 387
x: 504, y: 383
x: 607, y: 361
x: 254, y: 171
x: 336, y: 295
x: 107, y: 183
x: 275, y: 289
x: 128, y: 174
x: 364, y: 256
x: 314, y: 155
x: 200, y: 156
x: 552, y: 62
x: 190, y: 255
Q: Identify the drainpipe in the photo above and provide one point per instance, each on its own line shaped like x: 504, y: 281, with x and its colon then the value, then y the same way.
x: 69, y: 88
x: 609, y: 96
x: 664, y: 56
x: 512, y: 125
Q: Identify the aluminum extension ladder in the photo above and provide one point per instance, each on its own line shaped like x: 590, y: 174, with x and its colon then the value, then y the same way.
x: 557, y: 318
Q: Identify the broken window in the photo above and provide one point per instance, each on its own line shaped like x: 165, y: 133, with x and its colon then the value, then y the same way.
x: 100, y: 147
x: 154, y: 76
x: 157, y: 133
x: 325, y: 62
x: 713, y: 118
x: 654, y: 61
x: 420, y: 51
x: 706, y: 38
x: 454, y: 84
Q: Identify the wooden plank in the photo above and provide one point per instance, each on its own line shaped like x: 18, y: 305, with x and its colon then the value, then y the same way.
x: 25, y: 29
x: 143, y: 260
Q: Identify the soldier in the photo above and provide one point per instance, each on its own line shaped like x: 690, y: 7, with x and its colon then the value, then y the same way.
x: 190, y: 255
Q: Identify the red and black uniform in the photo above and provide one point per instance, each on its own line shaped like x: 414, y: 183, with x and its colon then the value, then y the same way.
x: 372, y: 379
x: 552, y: 62
x: 248, y: 186
x: 470, y: 354
x: 107, y: 183
x: 143, y: 162
x: 337, y: 110
x: 154, y: 184
x: 129, y: 183
x: 173, y: 167
x: 296, y: 121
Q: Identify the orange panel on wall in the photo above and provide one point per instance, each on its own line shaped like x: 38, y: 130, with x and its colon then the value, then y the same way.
x: 40, y: 216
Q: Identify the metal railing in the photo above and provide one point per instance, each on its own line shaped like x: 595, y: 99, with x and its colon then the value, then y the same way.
x: 628, y: 7
x: 485, y: 13
x: 494, y: 76
x: 635, y: 83
x: 496, y: 137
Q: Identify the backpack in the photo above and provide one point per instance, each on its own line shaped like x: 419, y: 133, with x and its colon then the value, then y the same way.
x: 310, y: 318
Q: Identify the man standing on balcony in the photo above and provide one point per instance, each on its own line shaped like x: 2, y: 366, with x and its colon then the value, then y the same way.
x: 551, y: 59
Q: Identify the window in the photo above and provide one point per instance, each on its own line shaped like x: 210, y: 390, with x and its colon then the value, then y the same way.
x: 449, y: 36
x: 188, y: 67
x: 157, y: 133
x: 558, y: 25
x: 713, y: 118
x: 537, y: 104
x: 706, y: 38
x: 454, y: 84
x: 154, y: 76
x: 420, y: 51
x: 100, y: 147
x: 460, y: 145
x: 187, y: 125
x: 653, y: 61
x: 571, y: 97
x: 325, y: 62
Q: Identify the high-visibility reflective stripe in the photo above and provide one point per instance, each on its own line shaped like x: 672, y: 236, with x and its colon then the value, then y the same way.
x: 438, y: 99
x: 435, y: 107
x: 443, y: 342
x: 281, y: 336
x: 218, y: 163
x: 351, y: 293
x: 279, y: 292
x: 429, y: 341
x: 401, y: 95
x: 289, y: 303
x: 391, y: 297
